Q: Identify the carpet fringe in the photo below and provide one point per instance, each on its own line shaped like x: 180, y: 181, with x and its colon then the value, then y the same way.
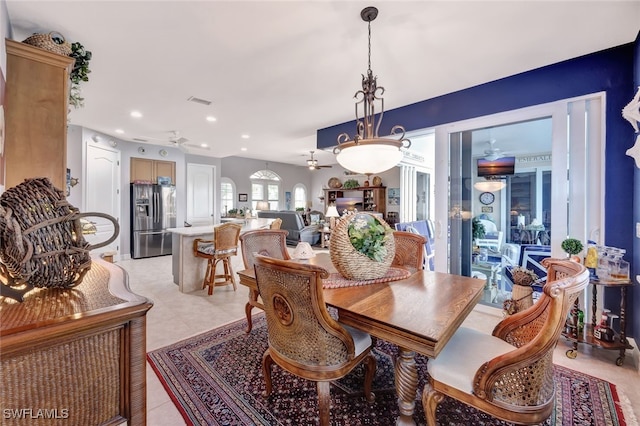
x: 627, y: 409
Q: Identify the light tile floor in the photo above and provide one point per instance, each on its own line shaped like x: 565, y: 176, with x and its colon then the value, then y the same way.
x: 176, y: 316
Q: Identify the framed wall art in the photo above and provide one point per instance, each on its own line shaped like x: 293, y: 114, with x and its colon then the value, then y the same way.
x: 243, y: 198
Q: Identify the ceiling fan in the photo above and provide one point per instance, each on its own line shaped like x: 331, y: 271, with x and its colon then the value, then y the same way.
x: 176, y: 139
x: 493, y: 153
x: 312, y: 163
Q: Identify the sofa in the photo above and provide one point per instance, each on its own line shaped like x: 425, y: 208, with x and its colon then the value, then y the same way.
x: 294, y: 223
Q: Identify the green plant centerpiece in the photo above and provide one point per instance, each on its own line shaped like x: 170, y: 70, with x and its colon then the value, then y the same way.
x: 572, y: 246
x: 368, y: 236
x: 79, y: 73
x: 362, y: 246
x: 350, y: 184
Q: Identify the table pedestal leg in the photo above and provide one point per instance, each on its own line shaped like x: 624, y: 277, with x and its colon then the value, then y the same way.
x: 406, y: 379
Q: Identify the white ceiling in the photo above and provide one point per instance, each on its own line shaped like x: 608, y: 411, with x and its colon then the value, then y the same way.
x: 280, y: 70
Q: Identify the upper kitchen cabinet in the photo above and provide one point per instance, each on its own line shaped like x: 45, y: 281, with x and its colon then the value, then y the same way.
x: 37, y: 96
x: 146, y: 170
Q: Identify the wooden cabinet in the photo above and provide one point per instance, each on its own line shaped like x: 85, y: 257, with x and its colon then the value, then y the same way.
x: 164, y: 169
x: 143, y: 169
x: 375, y: 199
x: 37, y: 98
x: 370, y: 198
x: 78, y: 353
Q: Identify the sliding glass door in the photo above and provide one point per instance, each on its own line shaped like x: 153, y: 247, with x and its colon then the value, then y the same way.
x: 553, y: 191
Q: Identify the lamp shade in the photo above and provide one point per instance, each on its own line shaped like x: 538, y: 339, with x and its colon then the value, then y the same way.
x: 489, y: 185
x: 369, y: 158
x: 262, y: 205
x: 303, y: 251
x: 332, y: 211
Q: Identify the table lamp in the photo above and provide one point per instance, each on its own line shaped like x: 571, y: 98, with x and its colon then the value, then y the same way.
x: 262, y: 205
x: 303, y: 251
x: 332, y: 213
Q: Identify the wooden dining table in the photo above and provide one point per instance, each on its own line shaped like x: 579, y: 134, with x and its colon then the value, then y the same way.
x: 419, y: 314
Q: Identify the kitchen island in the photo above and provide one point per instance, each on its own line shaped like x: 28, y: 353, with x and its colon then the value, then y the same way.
x: 188, y: 270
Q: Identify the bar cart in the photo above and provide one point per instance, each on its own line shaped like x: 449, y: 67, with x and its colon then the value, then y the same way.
x: 618, y: 341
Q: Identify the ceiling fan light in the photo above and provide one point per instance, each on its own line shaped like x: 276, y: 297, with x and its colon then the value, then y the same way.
x: 489, y: 185
x: 369, y: 158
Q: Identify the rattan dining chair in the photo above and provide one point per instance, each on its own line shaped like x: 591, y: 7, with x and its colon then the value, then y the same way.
x: 303, y: 338
x: 223, y: 246
x: 410, y: 251
x: 276, y: 224
x: 509, y: 374
x: 265, y: 242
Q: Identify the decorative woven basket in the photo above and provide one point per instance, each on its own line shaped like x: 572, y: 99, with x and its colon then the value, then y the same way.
x: 351, y: 263
x: 41, y: 239
x: 52, y: 42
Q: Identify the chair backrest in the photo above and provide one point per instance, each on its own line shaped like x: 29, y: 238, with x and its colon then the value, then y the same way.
x: 225, y: 238
x: 426, y: 229
x: 264, y: 242
x: 276, y: 224
x: 489, y: 227
x: 491, y: 241
x: 524, y: 376
x: 410, y: 250
x: 300, y: 329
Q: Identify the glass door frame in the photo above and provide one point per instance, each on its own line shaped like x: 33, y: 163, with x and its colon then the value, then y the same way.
x: 565, y: 115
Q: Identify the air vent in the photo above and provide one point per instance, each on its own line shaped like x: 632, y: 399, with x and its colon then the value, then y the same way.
x: 198, y: 100
x: 140, y: 140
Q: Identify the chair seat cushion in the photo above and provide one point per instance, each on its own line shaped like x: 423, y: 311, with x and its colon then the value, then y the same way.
x: 210, y: 250
x: 468, y: 349
x: 361, y: 340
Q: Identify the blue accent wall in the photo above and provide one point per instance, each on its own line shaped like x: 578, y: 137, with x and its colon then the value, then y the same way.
x: 634, y: 297
x: 611, y: 71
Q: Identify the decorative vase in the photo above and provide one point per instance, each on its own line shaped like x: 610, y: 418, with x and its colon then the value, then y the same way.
x: 351, y: 263
x: 523, y: 296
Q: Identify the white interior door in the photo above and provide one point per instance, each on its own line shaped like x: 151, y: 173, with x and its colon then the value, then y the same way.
x: 102, y: 193
x: 200, y: 194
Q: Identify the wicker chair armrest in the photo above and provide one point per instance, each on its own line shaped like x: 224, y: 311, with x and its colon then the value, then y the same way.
x: 197, y: 242
x: 490, y: 376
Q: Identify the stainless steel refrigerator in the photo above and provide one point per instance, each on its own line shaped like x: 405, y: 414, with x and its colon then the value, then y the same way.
x: 153, y: 210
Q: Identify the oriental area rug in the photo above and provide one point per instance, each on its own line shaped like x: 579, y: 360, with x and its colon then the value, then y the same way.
x: 215, y: 378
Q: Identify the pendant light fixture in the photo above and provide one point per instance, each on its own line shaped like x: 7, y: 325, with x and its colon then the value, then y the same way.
x: 367, y: 153
x: 489, y: 185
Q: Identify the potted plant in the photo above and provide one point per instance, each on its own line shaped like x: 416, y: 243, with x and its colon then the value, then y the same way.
x: 362, y: 247
x: 79, y: 73
x: 477, y: 229
x: 350, y: 184
x: 572, y: 247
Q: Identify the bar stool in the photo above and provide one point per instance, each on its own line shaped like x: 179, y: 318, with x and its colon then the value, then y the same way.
x: 221, y: 248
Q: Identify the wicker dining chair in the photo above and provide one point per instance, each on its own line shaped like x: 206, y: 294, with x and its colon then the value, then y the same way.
x: 265, y: 242
x: 303, y: 338
x: 509, y: 374
x: 221, y: 248
x: 276, y: 224
x: 409, y: 251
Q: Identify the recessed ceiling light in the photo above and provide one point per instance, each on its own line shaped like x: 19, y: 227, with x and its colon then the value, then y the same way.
x: 136, y: 114
x: 211, y: 118
x: 204, y: 145
x: 119, y: 131
x: 245, y: 136
x: 243, y: 149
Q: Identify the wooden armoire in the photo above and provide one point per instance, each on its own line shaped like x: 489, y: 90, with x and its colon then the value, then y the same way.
x: 37, y: 101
